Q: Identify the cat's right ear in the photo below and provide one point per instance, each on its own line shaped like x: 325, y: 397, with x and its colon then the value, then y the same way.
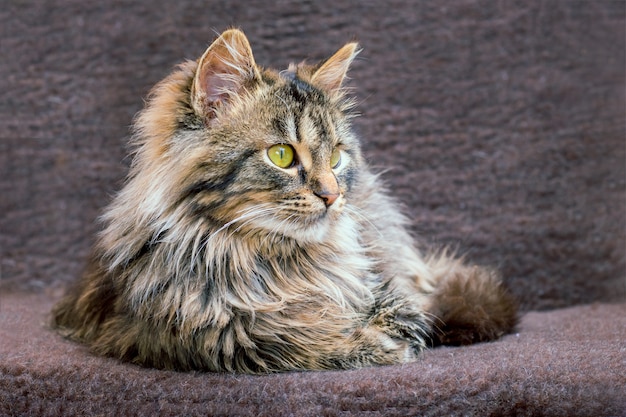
x: 223, y: 71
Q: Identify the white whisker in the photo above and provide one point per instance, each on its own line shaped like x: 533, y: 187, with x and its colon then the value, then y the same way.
x: 249, y: 215
x: 357, y: 212
x: 275, y: 230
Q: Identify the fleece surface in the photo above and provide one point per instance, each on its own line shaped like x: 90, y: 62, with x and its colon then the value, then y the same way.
x: 569, y: 362
x: 499, y: 126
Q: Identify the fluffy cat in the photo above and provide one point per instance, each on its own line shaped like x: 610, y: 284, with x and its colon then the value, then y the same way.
x: 250, y: 236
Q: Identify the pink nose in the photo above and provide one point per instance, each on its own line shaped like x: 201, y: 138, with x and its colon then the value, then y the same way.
x: 329, y: 198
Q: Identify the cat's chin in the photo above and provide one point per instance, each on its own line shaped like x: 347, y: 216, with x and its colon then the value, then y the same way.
x: 315, y: 233
x: 302, y: 232
x: 307, y: 231
x: 316, y: 227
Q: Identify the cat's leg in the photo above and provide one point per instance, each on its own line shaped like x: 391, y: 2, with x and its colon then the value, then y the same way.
x: 394, y: 331
x: 400, y: 316
x: 441, y: 300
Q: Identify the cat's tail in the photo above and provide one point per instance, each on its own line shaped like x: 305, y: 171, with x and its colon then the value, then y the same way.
x: 469, y: 304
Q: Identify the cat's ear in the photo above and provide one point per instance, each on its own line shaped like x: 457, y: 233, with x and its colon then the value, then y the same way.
x: 332, y: 72
x: 223, y: 71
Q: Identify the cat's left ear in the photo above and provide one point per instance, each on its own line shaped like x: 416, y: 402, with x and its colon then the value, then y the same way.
x: 330, y: 75
x: 223, y: 71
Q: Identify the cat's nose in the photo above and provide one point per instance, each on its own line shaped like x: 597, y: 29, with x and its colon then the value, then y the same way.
x: 327, y: 197
x: 325, y: 186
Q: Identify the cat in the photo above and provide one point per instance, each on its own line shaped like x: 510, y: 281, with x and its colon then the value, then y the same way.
x: 251, y: 236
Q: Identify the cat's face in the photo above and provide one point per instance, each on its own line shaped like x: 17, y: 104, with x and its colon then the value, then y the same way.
x: 276, y: 154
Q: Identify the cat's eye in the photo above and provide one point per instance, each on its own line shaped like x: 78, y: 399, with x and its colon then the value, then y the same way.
x: 281, y: 155
x: 335, y: 158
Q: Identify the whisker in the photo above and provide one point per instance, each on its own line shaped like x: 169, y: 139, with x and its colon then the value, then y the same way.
x: 249, y: 214
x: 279, y: 226
x: 355, y: 211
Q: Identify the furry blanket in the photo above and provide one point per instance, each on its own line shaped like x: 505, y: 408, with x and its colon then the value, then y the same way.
x: 499, y: 125
x: 568, y: 362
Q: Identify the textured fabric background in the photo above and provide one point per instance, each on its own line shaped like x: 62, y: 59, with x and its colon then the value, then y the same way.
x: 500, y: 127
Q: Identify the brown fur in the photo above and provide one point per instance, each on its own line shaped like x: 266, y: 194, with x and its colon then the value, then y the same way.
x: 212, y: 257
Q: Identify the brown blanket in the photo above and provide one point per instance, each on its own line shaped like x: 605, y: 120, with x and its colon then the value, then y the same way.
x: 569, y: 362
x: 500, y: 126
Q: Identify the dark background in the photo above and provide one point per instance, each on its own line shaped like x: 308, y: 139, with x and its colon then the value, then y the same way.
x: 500, y: 124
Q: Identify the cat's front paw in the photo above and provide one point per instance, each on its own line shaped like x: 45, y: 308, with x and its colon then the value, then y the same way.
x: 370, y: 346
x: 400, y: 319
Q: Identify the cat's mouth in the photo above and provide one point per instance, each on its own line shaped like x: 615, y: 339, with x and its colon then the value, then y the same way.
x: 313, y: 225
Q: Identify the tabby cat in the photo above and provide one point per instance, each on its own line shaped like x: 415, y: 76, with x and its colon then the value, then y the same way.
x: 251, y: 236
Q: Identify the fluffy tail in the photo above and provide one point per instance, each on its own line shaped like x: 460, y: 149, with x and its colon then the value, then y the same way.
x: 469, y: 303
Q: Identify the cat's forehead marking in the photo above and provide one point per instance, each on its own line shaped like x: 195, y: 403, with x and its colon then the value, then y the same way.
x: 303, y: 91
x: 300, y: 90
x: 302, y: 113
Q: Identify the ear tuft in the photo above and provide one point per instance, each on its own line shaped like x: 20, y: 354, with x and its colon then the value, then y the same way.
x: 330, y: 75
x: 223, y: 71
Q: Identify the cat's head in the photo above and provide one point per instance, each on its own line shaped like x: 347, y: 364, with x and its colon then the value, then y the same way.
x: 252, y: 149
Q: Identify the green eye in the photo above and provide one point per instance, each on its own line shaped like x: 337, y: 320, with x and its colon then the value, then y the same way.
x: 281, y: 155
x: 335, y: 159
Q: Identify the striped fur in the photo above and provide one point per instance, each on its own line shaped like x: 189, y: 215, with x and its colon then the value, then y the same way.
x: 212, y: 257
